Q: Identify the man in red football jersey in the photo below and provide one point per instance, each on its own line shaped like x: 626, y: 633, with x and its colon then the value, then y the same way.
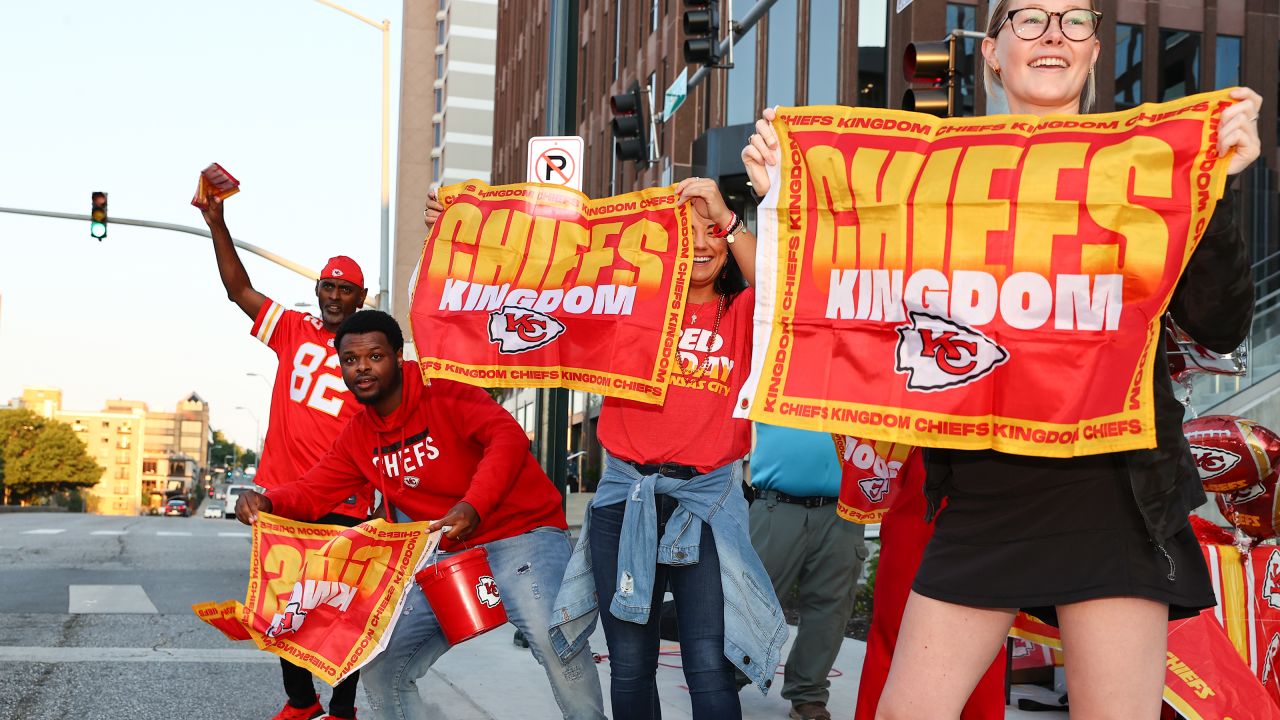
x: 309, y: 407
x: 445, y: 452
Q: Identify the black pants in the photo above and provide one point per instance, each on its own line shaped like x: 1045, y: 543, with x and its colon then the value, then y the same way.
x: 297, y: 680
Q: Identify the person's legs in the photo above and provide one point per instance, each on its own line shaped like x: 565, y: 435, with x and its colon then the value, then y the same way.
x: 342, y: 703
x: 699, y: 599
x: 945, y: 648
x: 633, y: 649
x: 833, y: 555
x: 298, y: 685
x: 528, y: 569
x: 391, y: 678
x: 1116, y: 649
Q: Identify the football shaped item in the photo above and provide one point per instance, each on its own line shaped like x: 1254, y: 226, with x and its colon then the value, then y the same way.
x: 1187, y: 358
x: 1231, y: 453
x: 1252, y: 509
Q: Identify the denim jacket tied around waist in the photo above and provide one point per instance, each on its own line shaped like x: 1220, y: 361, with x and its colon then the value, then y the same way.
x: 754, y: 626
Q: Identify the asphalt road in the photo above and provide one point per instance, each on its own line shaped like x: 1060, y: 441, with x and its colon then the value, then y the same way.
x: 96, y: 621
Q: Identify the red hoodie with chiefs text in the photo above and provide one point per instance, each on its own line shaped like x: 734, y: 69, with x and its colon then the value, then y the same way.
x: 447, y: 442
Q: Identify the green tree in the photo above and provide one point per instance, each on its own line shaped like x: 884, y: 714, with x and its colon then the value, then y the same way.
x: 221, y: 449
x: 40, y: 458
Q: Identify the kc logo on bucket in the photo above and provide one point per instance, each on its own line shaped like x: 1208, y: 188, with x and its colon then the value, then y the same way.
x: 487, y: 591
x: 516, y: 329
x: 1212, y: 462
x: 938, y: 354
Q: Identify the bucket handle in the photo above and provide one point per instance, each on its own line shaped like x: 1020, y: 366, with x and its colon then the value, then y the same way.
x: 434, y: 557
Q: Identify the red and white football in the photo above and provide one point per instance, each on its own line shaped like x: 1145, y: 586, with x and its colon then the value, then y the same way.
x: 1252, y: 509
x: 1231, y: 453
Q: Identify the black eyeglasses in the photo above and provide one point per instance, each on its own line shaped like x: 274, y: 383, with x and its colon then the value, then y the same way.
x: 1078, y: 24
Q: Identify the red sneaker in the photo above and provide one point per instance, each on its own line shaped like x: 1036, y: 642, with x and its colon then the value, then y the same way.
x: 289, y: 712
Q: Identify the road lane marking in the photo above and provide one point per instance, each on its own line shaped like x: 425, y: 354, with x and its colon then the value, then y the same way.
x: 173, y: 533
x: 109, y: 532
x: 93, y: 599
x: 44, y: 531
x: 234, y: 534
x: 27, y: 655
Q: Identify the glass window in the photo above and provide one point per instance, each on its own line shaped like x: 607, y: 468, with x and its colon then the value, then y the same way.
x: 439, y: 32
x: 438, y: 134
x: 780, y: 75
x: 617, y: 36
x: 964, y: 17
x: 740, y: 100
x: 1128, y: 66
x: 1179, y: 64
x: 1226, y: 62
x: 872, y: 57
x: 435, y: 169
x: 439, y: 100
x: 653, y: 15
x: 824, y: 51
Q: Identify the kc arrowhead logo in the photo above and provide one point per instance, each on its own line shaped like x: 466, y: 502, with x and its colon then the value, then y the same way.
x: 1271, y: 581
x: 938, y: 354
x: 875, y: 488
x: 1212, y: 461
x: 487, y: 592
x: 517, y: 329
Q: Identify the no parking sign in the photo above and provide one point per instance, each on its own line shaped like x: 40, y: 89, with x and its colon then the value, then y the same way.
x: 556, y: 160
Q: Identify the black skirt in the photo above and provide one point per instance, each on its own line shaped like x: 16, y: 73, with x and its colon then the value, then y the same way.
x: 1034, y: 533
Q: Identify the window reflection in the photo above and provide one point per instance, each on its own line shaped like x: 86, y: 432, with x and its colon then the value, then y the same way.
x: 1128, y: 66
x: 780, y: 78
x: 1179, y: 64
x: 824, y: 51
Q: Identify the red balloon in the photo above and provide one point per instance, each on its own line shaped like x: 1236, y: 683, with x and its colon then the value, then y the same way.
x: 1252, y: 509
x: 1231, y: 453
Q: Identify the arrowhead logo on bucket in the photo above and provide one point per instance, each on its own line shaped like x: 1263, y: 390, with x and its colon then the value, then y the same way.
x: 517, y: 329
x: 1212, y: 461
x: 487, y: 591
x: 1271, y: 582
x: 938, y: 354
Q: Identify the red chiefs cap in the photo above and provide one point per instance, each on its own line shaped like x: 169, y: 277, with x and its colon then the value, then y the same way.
x: 343, y: 268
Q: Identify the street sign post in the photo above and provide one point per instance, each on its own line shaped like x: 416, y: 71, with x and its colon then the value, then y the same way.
x: 675, y: 95
x: 556, y: 160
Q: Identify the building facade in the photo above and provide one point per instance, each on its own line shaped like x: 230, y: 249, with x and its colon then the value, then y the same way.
x: 147, y: 456
x: 446, y: 115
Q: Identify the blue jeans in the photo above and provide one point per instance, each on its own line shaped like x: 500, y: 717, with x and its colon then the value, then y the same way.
x: 633, y: 648
x: 527, y: 569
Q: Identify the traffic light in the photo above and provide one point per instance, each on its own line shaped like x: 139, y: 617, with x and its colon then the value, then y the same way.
x: 98, y: 216
x: 702, y: 32
x: 631, y: 142
x: 930, y: 69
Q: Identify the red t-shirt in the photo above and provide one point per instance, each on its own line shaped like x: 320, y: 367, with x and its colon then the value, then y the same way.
x: 695, y: 426
x: 446, y: 443
x: 310, y: 404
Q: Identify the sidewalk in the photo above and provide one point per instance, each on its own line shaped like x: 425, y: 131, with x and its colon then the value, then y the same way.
x: 489, y: 678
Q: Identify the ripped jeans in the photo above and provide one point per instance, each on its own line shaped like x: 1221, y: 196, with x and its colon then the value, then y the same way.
x: 527, y: 569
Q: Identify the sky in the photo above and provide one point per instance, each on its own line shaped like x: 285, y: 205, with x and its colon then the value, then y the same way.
x: 134, y: 98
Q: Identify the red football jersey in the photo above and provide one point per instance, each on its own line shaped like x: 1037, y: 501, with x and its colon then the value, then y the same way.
x: 310, y: 404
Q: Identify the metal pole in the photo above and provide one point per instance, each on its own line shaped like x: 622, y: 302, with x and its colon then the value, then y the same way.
x: 737, y: 30
x: 267, y: 254
x: 384, y: 249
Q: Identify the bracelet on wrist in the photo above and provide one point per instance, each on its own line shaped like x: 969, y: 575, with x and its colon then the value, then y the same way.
x: 735, y: 223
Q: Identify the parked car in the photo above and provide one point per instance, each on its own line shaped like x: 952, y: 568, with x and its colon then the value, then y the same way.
x: 177, y: 506
x: 213, y: 509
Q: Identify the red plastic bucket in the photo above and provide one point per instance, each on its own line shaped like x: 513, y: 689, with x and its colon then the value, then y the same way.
x: 463, y: 595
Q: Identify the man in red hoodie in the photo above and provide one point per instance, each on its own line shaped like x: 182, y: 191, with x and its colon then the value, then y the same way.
x: 446, y: 452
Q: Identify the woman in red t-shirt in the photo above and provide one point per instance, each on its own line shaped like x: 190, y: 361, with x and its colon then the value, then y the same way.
x: 690, y: 435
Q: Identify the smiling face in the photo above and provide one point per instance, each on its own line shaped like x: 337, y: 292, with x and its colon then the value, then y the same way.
x: 338, y: 300
x: 1045, y: 75
x: 709, y: 256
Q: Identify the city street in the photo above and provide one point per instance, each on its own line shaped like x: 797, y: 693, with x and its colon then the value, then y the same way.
x: 96, y: 622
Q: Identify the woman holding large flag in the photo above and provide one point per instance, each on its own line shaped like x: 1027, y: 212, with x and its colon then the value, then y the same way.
x: 1099, y: 545
x: 669, y: 512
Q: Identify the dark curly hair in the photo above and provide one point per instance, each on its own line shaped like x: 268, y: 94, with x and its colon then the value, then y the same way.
x: 368, y: 321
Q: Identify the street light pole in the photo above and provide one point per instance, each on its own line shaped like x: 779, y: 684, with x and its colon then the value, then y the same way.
x: 384, y: 259
x: 257, y: 430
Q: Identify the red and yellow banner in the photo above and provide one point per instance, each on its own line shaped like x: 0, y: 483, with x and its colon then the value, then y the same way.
x: 977, y: 283
x: 868, y: 477
x: 324, y: 597
x: 537, y: 286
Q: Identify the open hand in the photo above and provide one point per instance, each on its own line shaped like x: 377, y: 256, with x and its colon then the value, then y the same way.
x: 762, y: 151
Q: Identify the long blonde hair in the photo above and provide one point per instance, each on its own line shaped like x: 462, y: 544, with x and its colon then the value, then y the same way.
x: 991, y: 80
